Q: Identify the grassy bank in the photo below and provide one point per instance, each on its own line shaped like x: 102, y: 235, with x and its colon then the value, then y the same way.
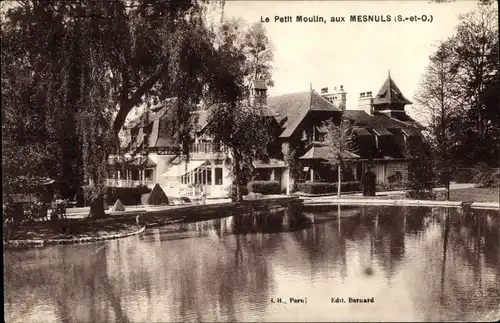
x: 473, y: 194
x: 124, y: 223
x: 70, y: 229
x: 470, y: 194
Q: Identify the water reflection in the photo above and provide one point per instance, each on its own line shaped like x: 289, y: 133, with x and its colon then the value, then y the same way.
x: 418, y: 263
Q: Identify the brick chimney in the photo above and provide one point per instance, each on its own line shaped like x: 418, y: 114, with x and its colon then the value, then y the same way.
x: 338, y: 97
x: 365, y: 102
x: 341, y: 98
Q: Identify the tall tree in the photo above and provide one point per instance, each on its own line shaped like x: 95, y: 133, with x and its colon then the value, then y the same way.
x: 439, y: 101
x: 475, y: 48
x: 39, y: 138
x: 340, y: 140
x: 234, y: 121
x: 475, y: 56
x: 102, y: 58
x: 259, y: 53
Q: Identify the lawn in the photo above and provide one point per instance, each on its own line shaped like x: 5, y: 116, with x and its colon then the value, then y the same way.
x: 473, y: 194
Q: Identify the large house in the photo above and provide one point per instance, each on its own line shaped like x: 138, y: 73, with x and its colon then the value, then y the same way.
x: 380, y: 122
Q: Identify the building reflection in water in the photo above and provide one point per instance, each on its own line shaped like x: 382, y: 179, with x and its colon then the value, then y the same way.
x: 418, y: 263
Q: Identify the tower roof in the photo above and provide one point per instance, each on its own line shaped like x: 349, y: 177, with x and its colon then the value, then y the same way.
x: 259, y: 84
x: 389, y: 93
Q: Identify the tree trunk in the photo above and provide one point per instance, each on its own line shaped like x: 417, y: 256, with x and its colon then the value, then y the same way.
x: 239, y: 195
x: 97, y: 208
x: 447, y: 190
x: 288, y: 182
x: 339, y: 182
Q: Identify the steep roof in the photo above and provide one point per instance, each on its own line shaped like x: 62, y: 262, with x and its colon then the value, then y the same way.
x: 157, y: 126
x: 259, y: 84
x: 324, y: 152
x: 204, y: 115
x: 152, y: 113
x: 381, y: 136
x: 389, y: 93
x: 292, y: 108
x: 380, y: 121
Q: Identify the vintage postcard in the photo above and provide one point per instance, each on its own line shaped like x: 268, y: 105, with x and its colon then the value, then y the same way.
x: 250, y: 161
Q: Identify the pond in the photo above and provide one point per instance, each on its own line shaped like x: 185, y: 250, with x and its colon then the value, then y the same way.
x: 414, y: 263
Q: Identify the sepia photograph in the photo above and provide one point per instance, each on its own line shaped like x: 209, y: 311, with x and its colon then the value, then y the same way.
x: 250, y: 161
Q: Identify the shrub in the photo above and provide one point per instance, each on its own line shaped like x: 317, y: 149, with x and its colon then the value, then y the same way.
x: 145, y: 198
x: 485, y: 176
x: 321, y: 187
x: 185, y: 199
x: 118, y: 206
x: 157, y: 196
x: 396, y: 178
x: 384, y: 186
x: 423, y: 194
x: 495, y: 178
x: 464, y: 175
x: 127, y: 195
x: 264, y: 187
x: 232, y: 190
x: 421, y: 177
x: 253, y: 196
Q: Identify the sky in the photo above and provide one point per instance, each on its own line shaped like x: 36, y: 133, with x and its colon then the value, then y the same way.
x: 356, y: 55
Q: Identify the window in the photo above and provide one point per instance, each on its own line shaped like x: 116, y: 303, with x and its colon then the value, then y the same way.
x: 135, y: 174
x: 218, y: 176
x: 304, y: 135
x: 209, y: 176
x: 148, y: 175
x: 263, y: 174
x: 203, y: 176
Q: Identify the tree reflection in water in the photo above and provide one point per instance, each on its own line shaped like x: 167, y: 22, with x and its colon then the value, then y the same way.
x: 468, y: 278
x: 72, y: 279
x: 445, y: 250
x: 444, y: 260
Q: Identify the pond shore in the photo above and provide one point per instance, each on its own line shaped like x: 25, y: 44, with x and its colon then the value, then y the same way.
x: 70, y: 231
x: 78, y: 229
